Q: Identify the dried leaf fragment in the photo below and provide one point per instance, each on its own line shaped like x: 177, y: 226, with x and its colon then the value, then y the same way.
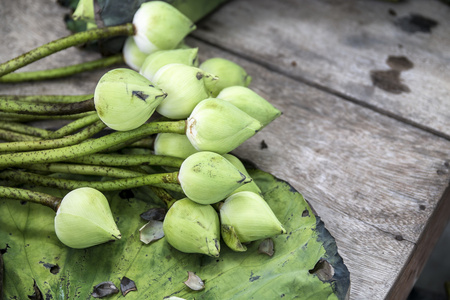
x: 103, y: 289
x: 156, y: 213
x: 194, y: 282
x: 152, y: 231
x: 127, y: 285
x: 266, y: 247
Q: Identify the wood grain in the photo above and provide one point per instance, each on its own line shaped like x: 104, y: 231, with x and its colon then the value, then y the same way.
x: 377, y: 183
x: 336, y: 45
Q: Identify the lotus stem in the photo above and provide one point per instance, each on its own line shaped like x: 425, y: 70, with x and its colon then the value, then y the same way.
x: 64, y: 43
x: 53, y: 143
x: 123, y: 160
x: 75, y: 125
x: 62, y: 72
x: 15, y: 137
x: 89, y: 146
x: 25, y: 129
x: 112, y: 185
x: 30, y: 196
x: 47, y: 98
x: 18, y: 107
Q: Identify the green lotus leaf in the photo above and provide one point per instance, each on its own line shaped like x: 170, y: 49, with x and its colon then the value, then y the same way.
x: 305, y: 265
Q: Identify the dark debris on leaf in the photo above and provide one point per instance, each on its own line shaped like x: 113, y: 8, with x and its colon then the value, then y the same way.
x: 266, y: 247
x: 323, y: 269
x: 37, y: 295
x: 157, y: 213
x: 103, y: 289
x: 127, y: 285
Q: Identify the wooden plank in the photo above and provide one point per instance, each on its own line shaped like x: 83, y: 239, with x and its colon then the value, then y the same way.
x: 375, y: 181
x: 349, y: 48
x: 372, y: 179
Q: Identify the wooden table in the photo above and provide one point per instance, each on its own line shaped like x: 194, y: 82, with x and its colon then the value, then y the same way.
x: 365, y: 134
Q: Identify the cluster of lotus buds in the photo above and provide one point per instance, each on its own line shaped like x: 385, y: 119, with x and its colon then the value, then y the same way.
x: 221, y: 113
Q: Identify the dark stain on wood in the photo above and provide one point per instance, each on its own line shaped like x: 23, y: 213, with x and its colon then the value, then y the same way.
x: 389, y: 81
x: 416, y: 23
x: 264, y: 145
x: 399, y: 63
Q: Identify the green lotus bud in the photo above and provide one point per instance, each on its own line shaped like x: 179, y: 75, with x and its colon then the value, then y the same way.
x: 185, y: 85
x: 173, y: 144
x: 251, y: 186
x: 192, y: 228
x: 85, y: 12
x: 132, y: 56
x: 207, y: 177
x: 84, y: 219
x: 160, y: 26
x: 250, y: 102
x: 217, y: 125
x: 229, y: 73
x: 155, y: 61
x: 125, y: 100
x: 250, y: 216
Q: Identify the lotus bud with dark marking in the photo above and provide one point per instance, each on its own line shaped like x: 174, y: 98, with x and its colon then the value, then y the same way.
x: 125, y: 100
x: 84, y: 219
x: 193, y: 228
x: 173, y: 144
x: 160, y: 26
x: 207, y: 177
x: 251, y: 186
x: 156, y: 60
x: 250, y: 102
x: 132, y: 55
x: 229, y: 73
x: 185, y: 86
x: 219, y: 126
x: 250, y: 216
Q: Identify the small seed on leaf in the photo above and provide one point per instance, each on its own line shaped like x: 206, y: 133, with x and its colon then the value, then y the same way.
x: 194, y: 282
x: 103, y: 289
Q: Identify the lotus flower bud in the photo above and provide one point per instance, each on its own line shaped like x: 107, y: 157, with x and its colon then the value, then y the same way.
x: 229, y: 73
x: 251, y: 186
x: 125, y: 100
x: 132, y: 55
x: 250, y: 216
x: 84, y: 219
x: 192, y: 228
x: 173, y: 144
x: 160, y: 26
x: 185, y: 85
x: 250, y: 102
x: 155, y: 61
x: 217, y: 125
x: 207, y: 177
x: 85, y: 12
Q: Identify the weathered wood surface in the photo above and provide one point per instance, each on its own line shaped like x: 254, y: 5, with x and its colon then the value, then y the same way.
x: 378, y: 183
x: 344, y: 47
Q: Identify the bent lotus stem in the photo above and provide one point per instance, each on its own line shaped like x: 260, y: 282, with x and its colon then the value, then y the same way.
x: 124, y: 160
x: 30, y: 196
x: 63, y: 71
x: 64, y: 43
